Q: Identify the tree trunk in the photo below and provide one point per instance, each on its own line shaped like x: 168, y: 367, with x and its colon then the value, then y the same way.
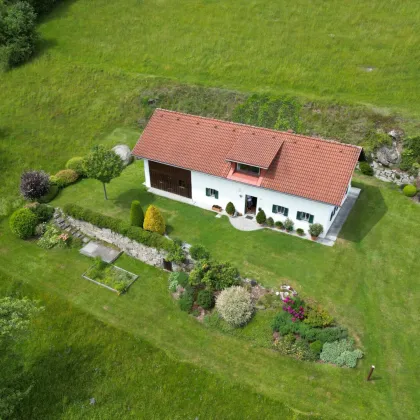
x: 106, y: 197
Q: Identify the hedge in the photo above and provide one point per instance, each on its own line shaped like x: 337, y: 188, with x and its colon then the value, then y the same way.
x: 151, y: 239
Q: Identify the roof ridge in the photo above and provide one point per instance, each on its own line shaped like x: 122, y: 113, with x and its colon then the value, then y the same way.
x: 322, y: 139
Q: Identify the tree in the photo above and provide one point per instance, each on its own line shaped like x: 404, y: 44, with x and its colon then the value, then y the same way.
x: 154, y: 221
x: 15, y: 319
x: 136, y: 214
x: 17, y: 33
x: 34, y: 184
x: 104, y: 165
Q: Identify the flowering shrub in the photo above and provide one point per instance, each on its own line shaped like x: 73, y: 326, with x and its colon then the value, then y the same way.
x: 294, y: 308
x: 53, y: 237
x: 235, y: 305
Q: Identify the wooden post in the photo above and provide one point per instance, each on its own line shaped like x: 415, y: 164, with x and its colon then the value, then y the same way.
x: 372, y: 368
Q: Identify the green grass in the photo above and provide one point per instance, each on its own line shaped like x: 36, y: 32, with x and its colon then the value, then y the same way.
x: 367, y: 281
x: 72, y: 357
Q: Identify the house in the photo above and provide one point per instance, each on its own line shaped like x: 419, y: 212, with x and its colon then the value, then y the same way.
x: 209, y: 162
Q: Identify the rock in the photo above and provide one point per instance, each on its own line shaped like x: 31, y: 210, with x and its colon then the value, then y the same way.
x: 396, y: 133
x: 124, y: 152
x: 388, y: 155
x: 92, y: 401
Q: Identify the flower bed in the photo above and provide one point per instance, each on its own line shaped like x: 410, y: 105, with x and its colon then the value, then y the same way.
x: 110, y: 276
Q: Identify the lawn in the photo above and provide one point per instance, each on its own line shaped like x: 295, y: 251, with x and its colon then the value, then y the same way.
x: 367, y: 280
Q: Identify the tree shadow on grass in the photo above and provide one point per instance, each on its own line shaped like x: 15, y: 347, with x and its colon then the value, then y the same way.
x: 61, y: 376
x: 124, y: 199
x: 369, y: 209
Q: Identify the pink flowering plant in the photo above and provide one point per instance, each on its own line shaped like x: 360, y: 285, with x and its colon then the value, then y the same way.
x: 295, y: 308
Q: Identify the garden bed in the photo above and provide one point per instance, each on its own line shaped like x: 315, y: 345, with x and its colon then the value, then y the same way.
x: 110, y: 276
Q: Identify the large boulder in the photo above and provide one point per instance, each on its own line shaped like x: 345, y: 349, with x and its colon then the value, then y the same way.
x: 124, y: 152
x: 396, y: 133
x: 388, y: 155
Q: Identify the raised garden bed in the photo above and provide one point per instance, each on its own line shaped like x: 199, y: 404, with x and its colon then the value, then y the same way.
x: 217, y: 208
x: 110, y: 276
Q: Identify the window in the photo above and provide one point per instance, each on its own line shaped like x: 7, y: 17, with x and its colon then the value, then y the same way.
x: 253, y: 170
x: 280, y: 210
x: 181, y: 183
x: 305, y: 216
x: 333, y: 212
x: 212, y: 193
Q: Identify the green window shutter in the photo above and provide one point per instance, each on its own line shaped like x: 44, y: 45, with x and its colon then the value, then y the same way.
x: 274, y: 209
x: 298, y: 215
x: 311, y: 218
x: 286, y: 211
x: 216, y: 194
x: 208, y: 192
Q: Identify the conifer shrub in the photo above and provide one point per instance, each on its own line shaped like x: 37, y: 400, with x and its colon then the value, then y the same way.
x: 136, y: 214
x: 261, y: 217
x: 230, y: 208
x: 205, y: 299
x: 153, y: 220
x: 365, y: 168
x: 270, y: 222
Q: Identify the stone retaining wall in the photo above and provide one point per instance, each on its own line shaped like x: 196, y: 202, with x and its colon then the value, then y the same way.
x: 390, y: 175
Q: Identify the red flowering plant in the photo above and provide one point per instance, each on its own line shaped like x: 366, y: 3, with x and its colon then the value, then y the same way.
x: 295, y: 308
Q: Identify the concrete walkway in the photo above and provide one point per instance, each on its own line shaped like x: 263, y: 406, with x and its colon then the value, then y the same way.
x: 95, y: 249
x: 242, y: 223
x: 342, y: 215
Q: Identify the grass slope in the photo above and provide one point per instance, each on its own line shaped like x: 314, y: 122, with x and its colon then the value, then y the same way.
x: 367, y: 280
x: 72, y: 357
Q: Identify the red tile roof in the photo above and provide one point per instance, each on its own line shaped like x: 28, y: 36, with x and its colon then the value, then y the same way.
x: 244, y: 149
x: 308, y: 167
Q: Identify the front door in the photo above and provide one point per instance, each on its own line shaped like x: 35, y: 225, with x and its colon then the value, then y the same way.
x: 250, y: 204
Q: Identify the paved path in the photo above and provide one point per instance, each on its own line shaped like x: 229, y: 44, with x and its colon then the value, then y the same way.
x: 241, y: 223
x: 342, y: 215
x: 95, y: 249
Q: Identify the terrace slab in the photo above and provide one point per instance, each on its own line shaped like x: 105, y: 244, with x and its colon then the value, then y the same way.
x: 95, y: 249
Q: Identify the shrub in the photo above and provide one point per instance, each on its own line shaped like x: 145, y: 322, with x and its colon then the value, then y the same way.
x: 261, y: 217
x: 279, y: 225
x: 341, y: 353
x: 270, y: 300
x: 283, y: 324
x: 317, y: 317
x: 289, y: 345
x: 43, y: 212
x: 199, y: 252
x: 235, y: 306
x: 186, y: 301
x: 316, y: 346
x: 300, y: 231
x: 51, y: 194
x: 53, y: 237
x: 23, y: 222
x: 289, y: 225
x: 136, y: 214
x: 270, y: 222
x: 34, y: 184
x: 315, y: 229
x: 409, y: 190
x: 176, y: 254
x: 230, y: 208
x: 205, y: 299
x: 77, y: 164
x: 294, y: 307
x: 218, y: 276
x: 326, y: 335
x: 180, y: 277
x: 153, y: 220
x: 65, y: 177
x: 365, y: 168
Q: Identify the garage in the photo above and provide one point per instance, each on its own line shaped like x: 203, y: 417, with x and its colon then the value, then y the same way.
x: 170, y: 179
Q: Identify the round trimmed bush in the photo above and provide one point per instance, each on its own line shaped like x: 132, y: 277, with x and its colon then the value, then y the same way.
x: 65, y: 177
x: 23, y: 223
x: 230, y: 208
x: 34, y: 184
x: 235, y: 305
x: 205, y: 299
x: 300, y: 231
x: 316, y: 229
x: 153, y: 220
x: 270, y: 222
x: 279, y: 225
x: 77, y: 164
x: 261, y: 217
x: 409, y: 190
x: 365, y: 168
x: 136, y: 214
x: 199, y: 252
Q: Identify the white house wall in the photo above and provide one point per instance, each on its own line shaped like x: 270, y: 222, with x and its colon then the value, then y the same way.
x: 236, y: 192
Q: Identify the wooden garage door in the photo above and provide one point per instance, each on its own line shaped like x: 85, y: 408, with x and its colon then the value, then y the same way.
x: 171, y: 179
